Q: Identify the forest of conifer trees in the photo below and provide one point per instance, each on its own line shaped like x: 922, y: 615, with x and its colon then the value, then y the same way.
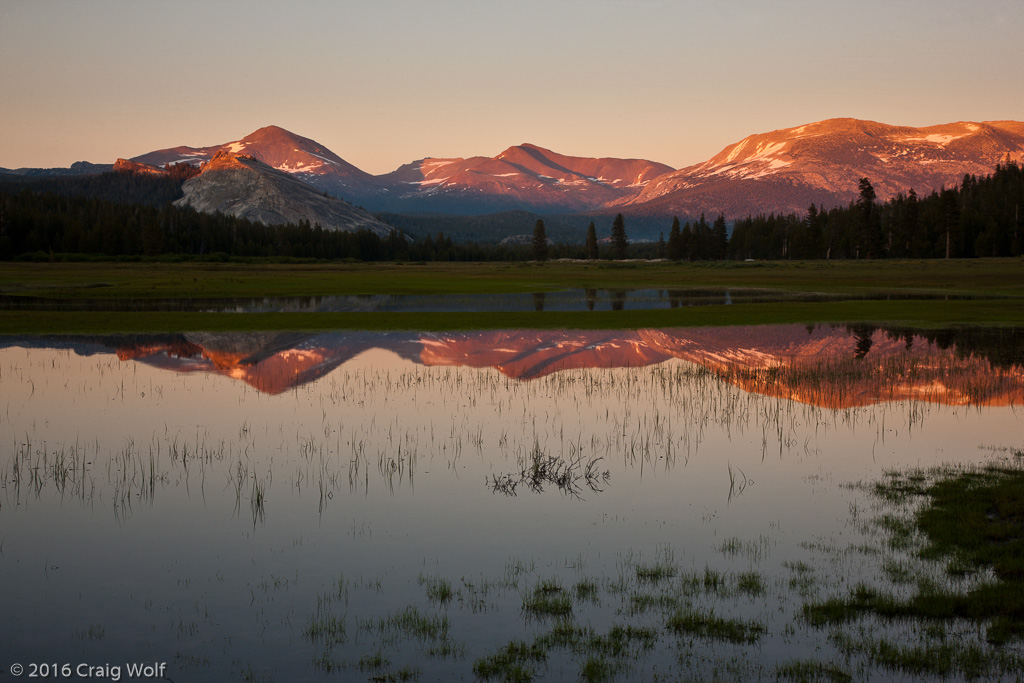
x: 980, y: 217
x: 125, y: 215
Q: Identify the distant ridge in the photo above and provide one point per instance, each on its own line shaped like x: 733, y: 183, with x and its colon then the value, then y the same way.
x: 781, y: 171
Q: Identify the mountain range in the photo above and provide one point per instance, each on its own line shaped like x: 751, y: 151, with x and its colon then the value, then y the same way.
x: 781, y: 171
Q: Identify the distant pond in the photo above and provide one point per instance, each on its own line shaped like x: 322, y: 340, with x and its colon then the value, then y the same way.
x: 652, y: 504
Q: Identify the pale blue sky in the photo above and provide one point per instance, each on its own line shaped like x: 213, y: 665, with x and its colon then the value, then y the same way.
x: 384, y: 82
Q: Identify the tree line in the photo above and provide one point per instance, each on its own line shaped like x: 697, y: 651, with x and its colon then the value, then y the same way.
x: 980, y: 217
x: 128, y: 215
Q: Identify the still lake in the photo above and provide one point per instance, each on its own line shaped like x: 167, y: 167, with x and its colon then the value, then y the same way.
x: 405, y: 506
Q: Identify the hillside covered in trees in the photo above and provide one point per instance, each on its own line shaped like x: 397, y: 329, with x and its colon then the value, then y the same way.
x: 981, y: 217
x: 124, y: 214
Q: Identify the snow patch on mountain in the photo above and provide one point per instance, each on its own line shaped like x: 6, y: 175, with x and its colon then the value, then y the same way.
x: 937, y: 138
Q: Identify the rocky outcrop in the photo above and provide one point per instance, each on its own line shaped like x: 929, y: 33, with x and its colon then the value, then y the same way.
x: 126, y: 165
x: 242, y: 186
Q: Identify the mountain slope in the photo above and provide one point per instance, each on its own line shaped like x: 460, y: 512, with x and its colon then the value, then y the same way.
x: 245, y: 187
x: 284, y: 151
x: 785, y: 170
x: 522, y: 177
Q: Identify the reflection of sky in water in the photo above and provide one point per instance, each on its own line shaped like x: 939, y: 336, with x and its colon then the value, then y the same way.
x: 185, y: 569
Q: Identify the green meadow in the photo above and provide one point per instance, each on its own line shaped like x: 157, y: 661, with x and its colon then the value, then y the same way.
x: 994, y: 291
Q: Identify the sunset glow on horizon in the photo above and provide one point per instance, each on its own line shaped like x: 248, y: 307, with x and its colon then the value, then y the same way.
x: 385, y: 83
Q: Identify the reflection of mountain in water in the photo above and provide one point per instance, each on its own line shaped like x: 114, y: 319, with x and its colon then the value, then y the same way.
x: 832, y: 367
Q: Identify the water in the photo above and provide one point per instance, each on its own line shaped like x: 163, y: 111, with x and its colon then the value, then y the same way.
x: 211, y: 501
x: 568, y: 300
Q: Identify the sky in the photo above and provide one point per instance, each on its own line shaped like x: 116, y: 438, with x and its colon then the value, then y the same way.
x: 385, y: 82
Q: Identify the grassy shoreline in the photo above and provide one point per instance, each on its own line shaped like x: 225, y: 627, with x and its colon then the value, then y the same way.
x: 996, y: 285
x: 910, y: 313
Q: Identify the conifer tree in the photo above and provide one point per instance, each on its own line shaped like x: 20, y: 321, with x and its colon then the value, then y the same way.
x: 592, y: 242
x: 619, y: 241
x: 675, y: 241
x: 719, y: 238
x: 540, y: 242
x: 687, y: 242
x: 870, y: 242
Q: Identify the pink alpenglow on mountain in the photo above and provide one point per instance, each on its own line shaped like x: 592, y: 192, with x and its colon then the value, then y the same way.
x: 786, y: 170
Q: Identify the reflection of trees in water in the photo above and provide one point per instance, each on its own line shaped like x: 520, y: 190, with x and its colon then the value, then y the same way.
x: 538, y: 301
x: 618, y: 299
x: 1003, y: 347
x: 591, y: 299
x: 863, y: 334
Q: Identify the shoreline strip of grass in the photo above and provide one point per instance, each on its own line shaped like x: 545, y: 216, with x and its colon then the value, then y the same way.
x: 910, y: 313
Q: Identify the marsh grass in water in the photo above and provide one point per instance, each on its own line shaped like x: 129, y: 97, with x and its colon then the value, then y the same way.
x: 567, y: 473
x: 810, y: 671
x: 709, y: 625
x: 960, y: 537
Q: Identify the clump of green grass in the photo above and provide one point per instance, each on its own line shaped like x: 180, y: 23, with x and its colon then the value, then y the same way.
x: 750, y: 583
x: 411, y: 623
x: 623, y: 642
x: 548, y: 599
x: 655, y: 573
x: 955, y: 657
x: 603, y: 655
x: 899, y: 571
x: 516, y: 662
x: 640, y: 603
x: 707, y: 625
x: 713, y: 581
x: 374, y: 662
x: 326, y: 628
x: 977, y: 518
x: 972, y: 519
x: 439, y: 589
x: 810, y: 671
x: 802, y: 579
x: 862, y: 598
x: 406, y: 673
x: 597, y: 669
x: 586, y: 590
